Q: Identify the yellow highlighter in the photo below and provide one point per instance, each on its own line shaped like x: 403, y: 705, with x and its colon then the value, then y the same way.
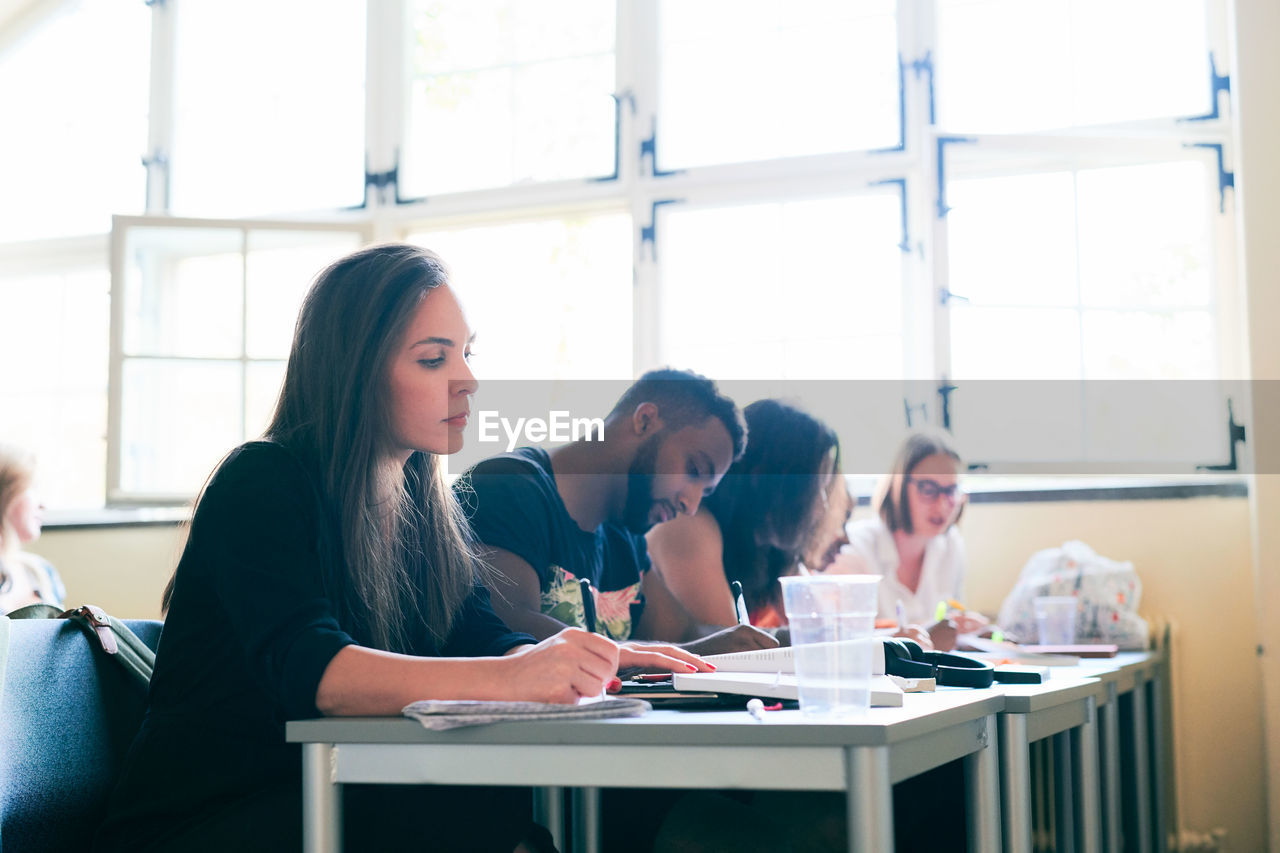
x: 940, y: 612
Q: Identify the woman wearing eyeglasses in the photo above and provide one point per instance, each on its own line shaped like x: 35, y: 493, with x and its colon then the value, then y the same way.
x: 913, y: 544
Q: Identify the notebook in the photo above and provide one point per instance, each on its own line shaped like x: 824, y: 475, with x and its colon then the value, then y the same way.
x: 994, y: 652
x: 776, y: 685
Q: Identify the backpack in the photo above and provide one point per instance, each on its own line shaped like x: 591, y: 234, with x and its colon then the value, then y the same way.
x: 107, y: 633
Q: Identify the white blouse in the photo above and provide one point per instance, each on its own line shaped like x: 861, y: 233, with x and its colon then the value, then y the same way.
x: 871, y: 550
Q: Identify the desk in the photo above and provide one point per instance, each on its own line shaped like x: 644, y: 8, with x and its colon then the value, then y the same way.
x: 1063, y: 707
x: 672, y: 749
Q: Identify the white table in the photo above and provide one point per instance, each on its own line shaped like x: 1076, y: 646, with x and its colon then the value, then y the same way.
x: 673, y: 749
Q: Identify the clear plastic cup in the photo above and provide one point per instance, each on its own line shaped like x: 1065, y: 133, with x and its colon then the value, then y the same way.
x: 832, y: 622
x: 1056, y: 619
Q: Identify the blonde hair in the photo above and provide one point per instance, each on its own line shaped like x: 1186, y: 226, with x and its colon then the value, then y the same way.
x: 891, y: 495
x: 17, y: 470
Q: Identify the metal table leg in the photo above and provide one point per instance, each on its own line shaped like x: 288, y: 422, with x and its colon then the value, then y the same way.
x: 1141, y: 769
x: 321, y: 800
x: 1109, y: 738
x: 1064, y: 805
x: 1085, y: 759
x: 1015, y: 783
x: 586, y: 820
x: 548, y: 810
x: 982, y: 789
x: 869, y: 799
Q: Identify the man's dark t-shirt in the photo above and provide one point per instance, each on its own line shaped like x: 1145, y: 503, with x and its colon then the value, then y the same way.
x: 513, y: 504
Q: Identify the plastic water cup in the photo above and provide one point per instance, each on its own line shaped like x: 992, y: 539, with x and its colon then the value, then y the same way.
x: 832, y: 621
x: 1056, y: 619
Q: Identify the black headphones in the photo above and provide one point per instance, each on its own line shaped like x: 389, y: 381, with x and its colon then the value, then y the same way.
x: 906, y: 658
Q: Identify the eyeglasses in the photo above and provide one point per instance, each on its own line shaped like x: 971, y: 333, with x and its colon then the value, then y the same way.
x: 931, y: 489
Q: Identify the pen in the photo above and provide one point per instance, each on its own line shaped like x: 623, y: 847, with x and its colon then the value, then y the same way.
x: 940, y: 612
x: 740, y: 604
x: 589, y: 616
x: 588, y: 604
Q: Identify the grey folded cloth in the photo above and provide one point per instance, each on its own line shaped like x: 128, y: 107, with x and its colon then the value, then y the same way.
x: 438, y: 715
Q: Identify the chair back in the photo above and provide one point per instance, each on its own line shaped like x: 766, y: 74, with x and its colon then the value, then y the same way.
x: 68, y: 714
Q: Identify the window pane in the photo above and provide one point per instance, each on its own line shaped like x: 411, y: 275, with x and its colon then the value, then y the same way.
x: 54, y: 398
x: 1022, y: 65
x: 792, y: 306
x: 1134, y: 240
x: 1011, y: 240
x: 762, y: 79
x: 505, y: 92
x: 261, y: 132
x: 279, y: 269
x: 549, y: 299
x: 1015, y: 343
x: 1148, y: 345
x: 262, y: 388
x: 178, y: 419
x: 1145, y: 236
x: 183, y: 292
x: 77, y: 87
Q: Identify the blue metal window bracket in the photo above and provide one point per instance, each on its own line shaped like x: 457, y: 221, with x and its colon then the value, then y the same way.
x: 649, y: 233
x: 943, y: 142
x: 1218, y: 83
x: 918, y: 67
x: 380, y: 181
x: 901, y: 184
x: 650, y: 146
x: 618, y: 98
x: 1225, y: 179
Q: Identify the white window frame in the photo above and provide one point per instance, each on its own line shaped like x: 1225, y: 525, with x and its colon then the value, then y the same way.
x: 117, y: 495
x: 926, y: 332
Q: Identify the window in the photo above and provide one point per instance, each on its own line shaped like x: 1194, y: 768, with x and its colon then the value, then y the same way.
x: 548, y: 298
x: 1023, y: 199
x: 505, y: 92
x: 208, y: 311
x: 73, y: 93
x: 268, y: 106
x: 760, y: 80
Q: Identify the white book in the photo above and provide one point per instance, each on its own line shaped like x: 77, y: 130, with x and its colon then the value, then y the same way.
x: 780, y: 659
x: 774, y: 685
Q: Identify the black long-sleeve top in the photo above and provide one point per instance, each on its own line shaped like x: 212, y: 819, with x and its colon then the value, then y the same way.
x: 255, y: 618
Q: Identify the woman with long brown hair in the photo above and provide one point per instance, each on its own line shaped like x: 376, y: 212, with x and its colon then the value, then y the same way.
x: 328, y: 571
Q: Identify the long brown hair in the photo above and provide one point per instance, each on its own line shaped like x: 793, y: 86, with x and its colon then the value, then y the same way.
x: 406, y: 548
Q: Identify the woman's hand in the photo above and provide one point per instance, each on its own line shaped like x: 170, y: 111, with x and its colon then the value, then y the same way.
x: 562, y: 668
x: 943, y: 634
x: 970, y: 622
x: 917, y: 633
x: 661, y: 657
x: 736, y: 638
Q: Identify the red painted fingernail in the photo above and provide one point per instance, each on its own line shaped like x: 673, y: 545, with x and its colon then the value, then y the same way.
x: 713, y: 666
x: 775, y: 707
x: 691, y: 667
x: 615, y: 683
